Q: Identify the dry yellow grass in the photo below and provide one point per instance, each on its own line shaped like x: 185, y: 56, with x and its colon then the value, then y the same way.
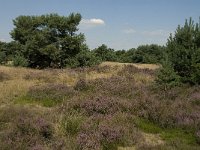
x: 12, y: 89
x: 141, y: 66
x: 15, y: 86
x: 152, y: 139
x: 149, y: 139
x: 143, y: 78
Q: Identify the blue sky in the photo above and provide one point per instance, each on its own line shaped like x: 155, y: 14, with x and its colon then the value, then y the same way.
x: 120, y: 24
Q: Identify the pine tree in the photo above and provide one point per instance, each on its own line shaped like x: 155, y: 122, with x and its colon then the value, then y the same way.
x: 183, y: 53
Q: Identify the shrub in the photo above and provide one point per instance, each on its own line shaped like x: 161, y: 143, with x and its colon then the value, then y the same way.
x: 26, y: 129
x: 167, y: 77
x: 123, y: 87
x: 108, y: 132
x: 102, y: 105
x: 20, y: 61
x: 87, y: 58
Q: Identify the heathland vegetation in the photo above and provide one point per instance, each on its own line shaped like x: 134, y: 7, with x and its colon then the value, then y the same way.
x: 56, y: 93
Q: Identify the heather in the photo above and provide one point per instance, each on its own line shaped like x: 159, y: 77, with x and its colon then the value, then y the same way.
x: 108, y: 107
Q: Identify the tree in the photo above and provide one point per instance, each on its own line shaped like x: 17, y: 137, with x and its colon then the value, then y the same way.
x: 48, y: 40
x: 87, y: 58
x: 148, y: 54
x: 105, y: 53
x: 183, y: 52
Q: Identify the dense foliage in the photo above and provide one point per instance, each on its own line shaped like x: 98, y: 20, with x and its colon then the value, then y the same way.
x: 183, y: 54
x: 52, y: 41
x: 47, y: 41
x: 143, y: 54
x: 2, y: 52
x: 105, y: 53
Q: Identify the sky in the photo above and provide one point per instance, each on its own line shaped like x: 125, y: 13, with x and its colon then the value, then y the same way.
x: 120, y: 24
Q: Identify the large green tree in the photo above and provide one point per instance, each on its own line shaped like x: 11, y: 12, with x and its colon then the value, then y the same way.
x: 48, y: 40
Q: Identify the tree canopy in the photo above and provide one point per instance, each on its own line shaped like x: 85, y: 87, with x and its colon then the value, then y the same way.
x: 48, y: 40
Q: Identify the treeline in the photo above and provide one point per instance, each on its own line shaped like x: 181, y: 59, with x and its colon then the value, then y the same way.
x: 52, y: 41
x: 152, y: 54
x: 143, y: 54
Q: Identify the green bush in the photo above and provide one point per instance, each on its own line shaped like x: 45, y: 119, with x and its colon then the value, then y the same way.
x: 87, y: 58
x: 167, y: 77
x: 20, y: 61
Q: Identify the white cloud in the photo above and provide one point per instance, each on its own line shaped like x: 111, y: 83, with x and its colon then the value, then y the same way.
x: 129, y: 31
x: 88, y: 23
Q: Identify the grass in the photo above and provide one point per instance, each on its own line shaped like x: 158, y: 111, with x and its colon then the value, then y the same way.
x: 167, y: 134
x: 25, y: 100
x: 147, y: 126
